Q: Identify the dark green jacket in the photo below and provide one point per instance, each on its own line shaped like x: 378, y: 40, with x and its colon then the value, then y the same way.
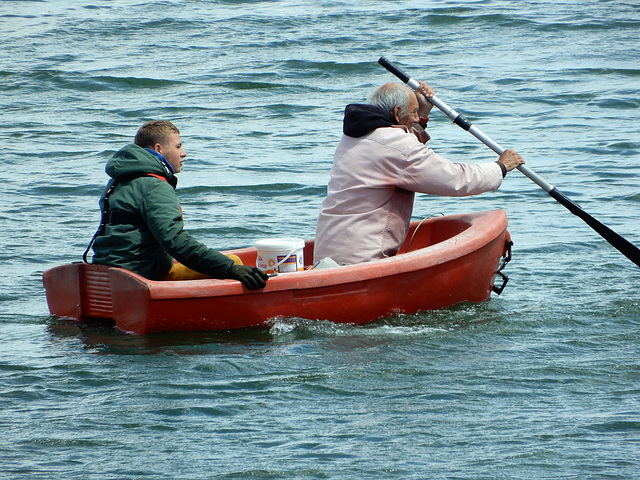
x: 149, y: 247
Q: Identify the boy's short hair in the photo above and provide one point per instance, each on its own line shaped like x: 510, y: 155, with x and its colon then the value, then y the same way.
x: 155, y: 131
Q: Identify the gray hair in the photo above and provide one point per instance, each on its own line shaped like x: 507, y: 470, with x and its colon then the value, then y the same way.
x: 389, y: 96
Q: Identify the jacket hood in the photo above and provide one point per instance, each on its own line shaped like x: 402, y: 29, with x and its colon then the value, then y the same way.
x: 135, y: 160
x: 361, y: 119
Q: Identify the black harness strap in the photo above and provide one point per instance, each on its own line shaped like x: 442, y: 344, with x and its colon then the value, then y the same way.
x: 120, y: 217
x: 103, y: 218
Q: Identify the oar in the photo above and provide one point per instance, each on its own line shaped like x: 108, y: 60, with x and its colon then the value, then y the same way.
x: 624, y: 246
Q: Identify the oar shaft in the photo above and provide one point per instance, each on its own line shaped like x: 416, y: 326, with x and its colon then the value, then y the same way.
x: 465, y: 124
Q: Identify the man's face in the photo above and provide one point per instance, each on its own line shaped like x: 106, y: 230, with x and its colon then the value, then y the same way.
x: 172, y: 150
x: 411, y: 116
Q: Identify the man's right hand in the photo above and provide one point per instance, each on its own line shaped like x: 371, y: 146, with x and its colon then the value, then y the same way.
x: 423, y: 94
x: 510, y: 159
x: 251, y: 277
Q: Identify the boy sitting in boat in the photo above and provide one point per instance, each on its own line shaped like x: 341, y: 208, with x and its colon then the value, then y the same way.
x: 142, y: 229
x: 379, y: 164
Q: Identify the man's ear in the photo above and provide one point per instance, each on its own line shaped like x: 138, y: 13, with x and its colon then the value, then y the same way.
x: 396, y: 113
x: 158, y: 148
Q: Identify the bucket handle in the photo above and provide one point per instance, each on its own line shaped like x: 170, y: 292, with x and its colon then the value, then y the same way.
x: 275, y: 267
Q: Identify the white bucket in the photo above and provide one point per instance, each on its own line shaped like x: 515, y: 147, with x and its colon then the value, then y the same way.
x: 280, y: 255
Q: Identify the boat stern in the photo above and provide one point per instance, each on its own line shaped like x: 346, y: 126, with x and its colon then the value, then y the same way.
x: 79, y: 290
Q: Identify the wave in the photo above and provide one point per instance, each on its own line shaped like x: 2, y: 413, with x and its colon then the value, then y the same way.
x: 83, y: 82
x: 270, y: 190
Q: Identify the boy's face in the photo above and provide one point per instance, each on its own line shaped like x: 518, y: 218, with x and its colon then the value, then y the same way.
x: 172, y: 150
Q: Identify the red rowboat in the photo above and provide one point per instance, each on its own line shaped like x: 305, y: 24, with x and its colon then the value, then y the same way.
x: 447, y: 260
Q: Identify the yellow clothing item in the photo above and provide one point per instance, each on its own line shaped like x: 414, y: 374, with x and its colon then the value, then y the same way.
x: 180, y: 272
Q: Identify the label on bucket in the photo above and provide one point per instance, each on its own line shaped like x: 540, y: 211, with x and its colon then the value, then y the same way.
x: 287, y: 263
x: 280, y: 255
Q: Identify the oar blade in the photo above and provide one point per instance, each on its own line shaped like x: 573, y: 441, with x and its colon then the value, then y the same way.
x: 621, y: 244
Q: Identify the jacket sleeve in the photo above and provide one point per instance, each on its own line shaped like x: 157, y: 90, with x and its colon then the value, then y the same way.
x: 425, y: 171
x: 163, y: 215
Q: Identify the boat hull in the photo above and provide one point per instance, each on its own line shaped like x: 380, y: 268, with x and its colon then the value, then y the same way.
x: 449, y: 260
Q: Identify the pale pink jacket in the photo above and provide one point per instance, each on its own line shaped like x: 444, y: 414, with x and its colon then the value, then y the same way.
x: 370, y: 195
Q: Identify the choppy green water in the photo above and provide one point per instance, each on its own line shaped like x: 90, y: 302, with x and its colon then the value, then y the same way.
x: 540, y: 383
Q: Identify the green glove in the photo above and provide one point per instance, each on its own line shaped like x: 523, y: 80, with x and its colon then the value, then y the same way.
x: 251, y: 277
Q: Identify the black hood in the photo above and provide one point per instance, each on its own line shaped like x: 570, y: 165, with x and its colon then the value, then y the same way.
x: 361, y: 119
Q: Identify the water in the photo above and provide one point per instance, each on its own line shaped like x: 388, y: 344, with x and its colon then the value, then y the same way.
x: 540, y: 383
